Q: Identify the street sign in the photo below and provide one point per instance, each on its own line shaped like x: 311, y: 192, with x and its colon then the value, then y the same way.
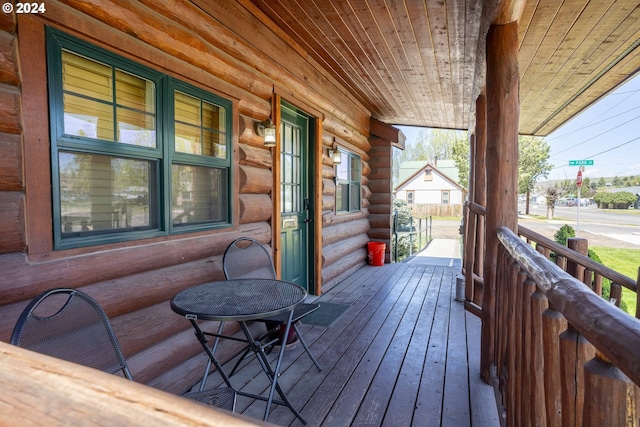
x: 579, y: 181
x: 580, y: 162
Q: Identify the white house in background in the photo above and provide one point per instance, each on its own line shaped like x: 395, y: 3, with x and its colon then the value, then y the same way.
x: 424, y: 183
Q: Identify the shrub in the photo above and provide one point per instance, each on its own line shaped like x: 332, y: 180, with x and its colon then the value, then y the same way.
x: 564, y: 233
x: 619, y: 200
x: 561, y: 236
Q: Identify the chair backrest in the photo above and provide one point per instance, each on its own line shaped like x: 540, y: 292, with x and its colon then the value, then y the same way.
x: 70, y: 325
x: 246, y: 258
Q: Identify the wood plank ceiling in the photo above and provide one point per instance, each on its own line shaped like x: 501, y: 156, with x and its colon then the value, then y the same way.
x: 413, y: 62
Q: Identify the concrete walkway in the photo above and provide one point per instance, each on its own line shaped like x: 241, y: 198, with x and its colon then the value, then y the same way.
x: 442, y: 252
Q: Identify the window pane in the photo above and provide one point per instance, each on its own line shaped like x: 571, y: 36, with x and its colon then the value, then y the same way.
x: 200, y: 127
x: 287, y: 198
x: 187, y: 109
x: 87, y: 119
x: 198, y: 195
x: 188, y: 139
x: 342, y: 168
x: 103, y: 194
x: 136, y: 128
x: 355, y: 198
x: 213, y: 117
x: 355, y: 168
x: 445, y: 197
x: 342, y: 197
x: 287, y: 171
x: 214, y: 144
x: 86, y: 77
x: 135, y: 93
x: 89, y: 104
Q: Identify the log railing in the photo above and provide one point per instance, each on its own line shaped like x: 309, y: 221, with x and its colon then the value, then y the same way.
x: 474, y: 256
x: 42, y: 390
x: 564, y: 355
x: 586, y: 270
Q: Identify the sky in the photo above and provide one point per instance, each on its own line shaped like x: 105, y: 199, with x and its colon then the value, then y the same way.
x: 608, y: 133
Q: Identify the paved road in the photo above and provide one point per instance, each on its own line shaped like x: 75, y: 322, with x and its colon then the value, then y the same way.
x: 621, y: 225
x: 590, y: 214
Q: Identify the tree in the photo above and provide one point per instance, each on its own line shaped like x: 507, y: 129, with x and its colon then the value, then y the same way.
x: 617, y: 182
x: 461, y: 155
x: 430, y: 144
x: 533, y: 164
x: 553, y: 193
x: 602, y: 182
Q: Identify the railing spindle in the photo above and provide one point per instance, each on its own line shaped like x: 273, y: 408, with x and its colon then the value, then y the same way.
x: 528, y: 288
x: 539, y: 303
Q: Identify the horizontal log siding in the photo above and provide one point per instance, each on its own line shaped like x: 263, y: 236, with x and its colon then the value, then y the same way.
x: 12, y: 227
x: 221, y: 47
x: 344, y: 235
x: 380, y: 185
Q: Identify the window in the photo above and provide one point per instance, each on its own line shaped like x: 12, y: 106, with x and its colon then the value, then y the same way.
x: 427, y: 175
x: 445, y: 197
x: 410, y: 197
x: 135, y: 153
x: 348, y: 177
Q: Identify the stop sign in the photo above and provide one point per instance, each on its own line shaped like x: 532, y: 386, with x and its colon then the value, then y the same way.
x: 579, y: 179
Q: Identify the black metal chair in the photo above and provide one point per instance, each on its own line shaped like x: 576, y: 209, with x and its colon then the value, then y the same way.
x: 247, y: 258
x: 70, y: 325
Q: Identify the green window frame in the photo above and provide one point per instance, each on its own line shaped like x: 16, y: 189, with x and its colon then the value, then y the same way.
x: 134, y: 153
x: 348, y: 182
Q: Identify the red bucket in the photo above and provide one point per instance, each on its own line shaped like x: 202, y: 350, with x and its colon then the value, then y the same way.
x: 376, y: 253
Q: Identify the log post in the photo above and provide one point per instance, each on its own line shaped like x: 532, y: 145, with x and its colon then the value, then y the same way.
x: 503, y: 110
x: 610, y: 397
x: 470, y: 221
x: 581, y: 246
x: 480, y: 188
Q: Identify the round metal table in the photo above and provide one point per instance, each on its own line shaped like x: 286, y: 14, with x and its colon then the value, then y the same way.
x: 241, y: 300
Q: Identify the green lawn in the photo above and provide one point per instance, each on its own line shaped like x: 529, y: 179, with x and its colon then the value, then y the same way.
x: 624, y: 261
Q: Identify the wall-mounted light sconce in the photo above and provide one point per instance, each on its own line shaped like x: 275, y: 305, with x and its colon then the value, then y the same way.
x: 267, y: 130
x: 334, y: 154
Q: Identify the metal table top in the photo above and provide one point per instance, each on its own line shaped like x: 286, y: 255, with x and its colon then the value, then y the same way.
x: 239, y: 299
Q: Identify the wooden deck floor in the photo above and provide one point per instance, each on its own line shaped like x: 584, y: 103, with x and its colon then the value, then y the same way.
x: 405, y: 353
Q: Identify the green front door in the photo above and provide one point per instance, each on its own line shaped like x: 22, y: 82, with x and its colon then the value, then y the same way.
x: 296, y: 199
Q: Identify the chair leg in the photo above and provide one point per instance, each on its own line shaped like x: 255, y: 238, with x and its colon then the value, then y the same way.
x: 306, y: 348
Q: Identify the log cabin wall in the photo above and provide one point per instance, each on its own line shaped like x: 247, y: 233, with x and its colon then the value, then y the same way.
x: 226, y: 48
x: 382, y: 139
x: 344, y: 235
